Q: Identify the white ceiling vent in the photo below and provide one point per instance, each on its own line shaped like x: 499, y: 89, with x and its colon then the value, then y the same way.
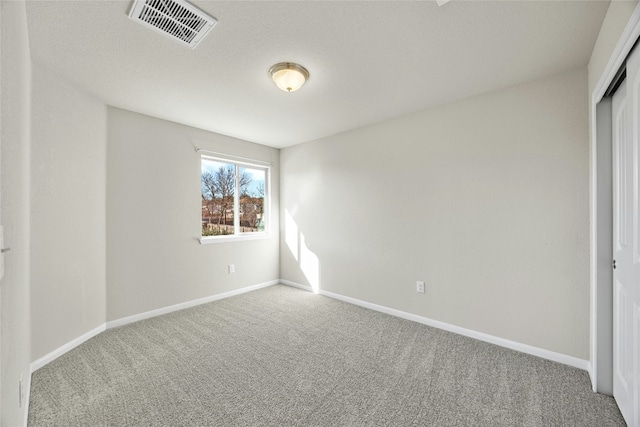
x: 175, y: 19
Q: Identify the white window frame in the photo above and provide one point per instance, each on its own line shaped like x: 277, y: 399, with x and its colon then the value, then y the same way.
x: 238, y: 236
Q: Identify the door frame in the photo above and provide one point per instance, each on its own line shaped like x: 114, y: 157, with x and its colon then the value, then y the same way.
x: 601, y: 232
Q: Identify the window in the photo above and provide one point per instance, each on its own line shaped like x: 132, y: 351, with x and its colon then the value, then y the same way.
x: 234, y: 199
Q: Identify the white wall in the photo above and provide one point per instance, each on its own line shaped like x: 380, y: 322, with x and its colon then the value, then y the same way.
x: 614, y: 22
x: 154, y: 259
x: 15, y: 74
x: 485, y: 199
x: 68, y: 185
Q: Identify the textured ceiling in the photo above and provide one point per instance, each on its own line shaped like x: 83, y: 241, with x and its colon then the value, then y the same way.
x: 369, y: 61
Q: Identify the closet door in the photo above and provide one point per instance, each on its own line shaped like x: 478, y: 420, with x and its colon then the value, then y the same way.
x: 626, y: 244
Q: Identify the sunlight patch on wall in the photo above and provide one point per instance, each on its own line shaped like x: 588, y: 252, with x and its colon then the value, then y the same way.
x: 307, y: 260
x: 291, y: 234
x: 310, y: 265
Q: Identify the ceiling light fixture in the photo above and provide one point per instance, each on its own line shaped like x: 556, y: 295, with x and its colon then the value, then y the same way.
x: 288, y: 76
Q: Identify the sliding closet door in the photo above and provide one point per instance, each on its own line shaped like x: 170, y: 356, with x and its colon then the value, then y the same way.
x: 626, y: 244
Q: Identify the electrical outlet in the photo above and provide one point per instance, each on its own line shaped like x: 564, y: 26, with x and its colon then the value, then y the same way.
x: 420, y: 287
x: 232, y: 268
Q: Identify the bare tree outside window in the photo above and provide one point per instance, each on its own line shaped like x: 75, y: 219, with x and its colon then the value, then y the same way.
x: 220, y: 215
x: 252, y: 200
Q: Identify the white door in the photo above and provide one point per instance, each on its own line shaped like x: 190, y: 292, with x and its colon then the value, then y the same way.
x: 626, y: 244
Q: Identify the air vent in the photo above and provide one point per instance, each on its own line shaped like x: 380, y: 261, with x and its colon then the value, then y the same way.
x: 175, y: 19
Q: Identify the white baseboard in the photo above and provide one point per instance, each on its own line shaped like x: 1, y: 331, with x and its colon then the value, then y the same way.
x: 524, y: 348
x: 187, y: 304
x: 296, y: 285
x: 513, y: 345
x: 65, y: 348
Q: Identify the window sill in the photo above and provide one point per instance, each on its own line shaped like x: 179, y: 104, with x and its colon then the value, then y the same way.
x: 226, y: 239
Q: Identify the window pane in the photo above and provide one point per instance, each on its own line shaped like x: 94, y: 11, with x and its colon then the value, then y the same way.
x: 252, y: 183
x: 218, y: 184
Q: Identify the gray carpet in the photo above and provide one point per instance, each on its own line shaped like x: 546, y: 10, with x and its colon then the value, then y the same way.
x: 285, y: 357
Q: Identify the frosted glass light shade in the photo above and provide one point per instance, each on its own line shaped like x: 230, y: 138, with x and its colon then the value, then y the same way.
x: 289, y: 76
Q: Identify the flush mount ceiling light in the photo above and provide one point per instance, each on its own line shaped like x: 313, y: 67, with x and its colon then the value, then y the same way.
x: 288, y: 76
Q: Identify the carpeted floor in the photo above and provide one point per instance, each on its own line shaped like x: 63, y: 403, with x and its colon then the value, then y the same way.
x: 280, y: 356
